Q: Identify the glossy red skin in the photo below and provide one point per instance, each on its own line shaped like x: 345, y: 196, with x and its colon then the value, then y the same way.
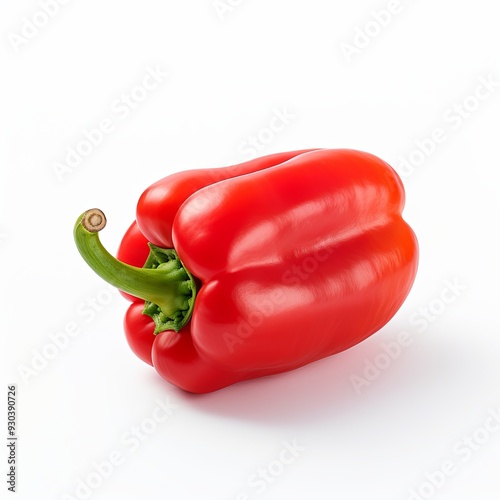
x: 133, y: 250
x: 139, y: 331
x: 159, y: 204
x: 304, y: 257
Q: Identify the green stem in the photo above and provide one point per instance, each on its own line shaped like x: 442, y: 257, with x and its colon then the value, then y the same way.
x: 164, y: 283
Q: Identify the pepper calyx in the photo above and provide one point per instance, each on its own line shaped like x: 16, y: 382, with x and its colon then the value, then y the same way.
x: 167, y: 261
x: 166, y: 286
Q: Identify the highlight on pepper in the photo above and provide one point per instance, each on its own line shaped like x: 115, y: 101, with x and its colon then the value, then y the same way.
x: 255, y: 269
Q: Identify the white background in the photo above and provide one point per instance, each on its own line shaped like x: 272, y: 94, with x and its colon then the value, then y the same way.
x: 229, y: 72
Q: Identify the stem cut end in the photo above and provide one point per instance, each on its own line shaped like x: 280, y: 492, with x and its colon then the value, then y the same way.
x: 94, y: 220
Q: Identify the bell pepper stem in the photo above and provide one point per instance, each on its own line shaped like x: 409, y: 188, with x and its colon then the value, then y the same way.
x: 164, y: 283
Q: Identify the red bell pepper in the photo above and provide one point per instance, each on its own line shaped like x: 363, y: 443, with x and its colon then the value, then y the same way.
x: 259, y: 268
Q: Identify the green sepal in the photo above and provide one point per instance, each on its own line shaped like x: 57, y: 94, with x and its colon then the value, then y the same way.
x: 181, y: 285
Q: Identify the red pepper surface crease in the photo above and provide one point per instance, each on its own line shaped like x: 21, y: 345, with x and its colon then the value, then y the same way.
x: 286, y: 259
